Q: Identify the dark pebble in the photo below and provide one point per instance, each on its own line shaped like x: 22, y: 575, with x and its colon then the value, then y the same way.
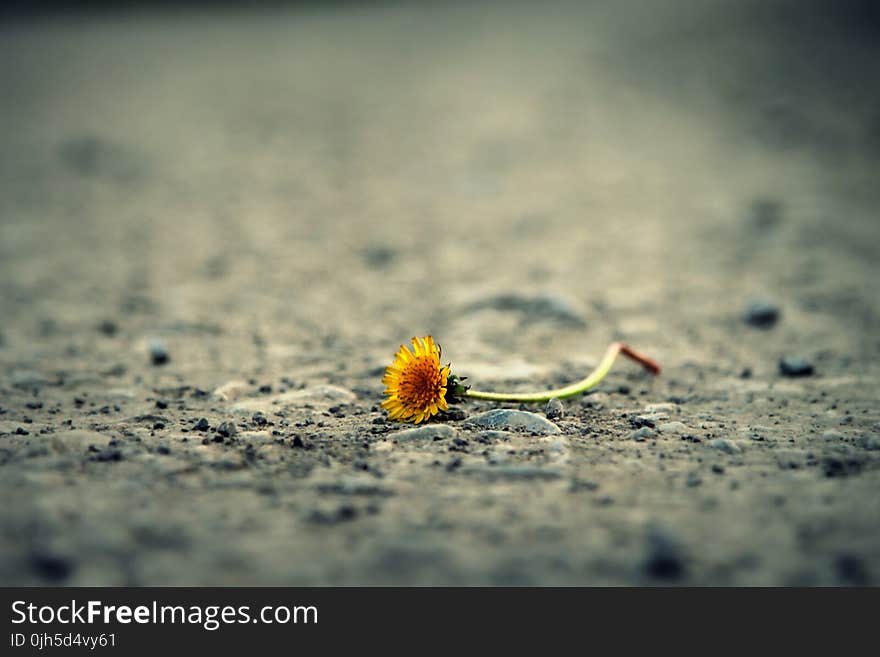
x: 664, y: 560
x: 794, y: 366
x: 453, y: 415
x: 851, y: 570
x: 161, y: 403
x: 159, y: 425
x: 158, y: 353
x: 22, y: 432
x: 718, y: 469
x: 227, y: 429
x: 51, y: 567
x: 555, y: 410
x: 379, y: 256
x: 346, y: 512
x: 761, y: 314
x: 117, y: 370
x: 841, y: 467
x: 297, y: 442
x: 108, y: 455
x: 265, y: 389
x: 202, y: 425
x: 342, y: 514
x: 259, y: 419
x: 639, y: 422
x: 766, y: 214
x: 108, y: 327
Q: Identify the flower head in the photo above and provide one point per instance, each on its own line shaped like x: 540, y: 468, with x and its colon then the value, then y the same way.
x: 415, y: 382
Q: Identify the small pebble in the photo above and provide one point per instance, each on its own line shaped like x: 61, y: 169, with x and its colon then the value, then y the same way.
x: 158, y: 352
x: 511, y: 420
x: 871, y: 443
x: 379, y: 256
x: 664, y: 559
x: 202, y: 425
x: 555, y: 410
x: 227, y: 429
x: 108, y: 327
x: 725, y: 446
x: 641, y: 435
x: 766, y: 213
x: 851, y: 569
x: 761, y: 314
x: 795, y: 366
x: 454, y: 415
x: 674, y: 427
x: 107, y: 455
x: 51, y: 567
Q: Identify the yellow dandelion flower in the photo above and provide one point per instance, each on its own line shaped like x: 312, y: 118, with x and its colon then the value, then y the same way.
x: 418, y: 387
x: 416, y: 382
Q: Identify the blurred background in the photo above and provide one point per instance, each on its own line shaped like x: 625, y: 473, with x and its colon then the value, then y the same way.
x: 288, y: 191
x: 165, y: 142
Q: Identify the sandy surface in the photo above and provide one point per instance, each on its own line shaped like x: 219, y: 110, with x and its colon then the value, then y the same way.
x: 279, y: 199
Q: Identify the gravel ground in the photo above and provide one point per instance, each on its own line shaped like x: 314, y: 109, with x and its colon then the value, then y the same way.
x: 216, y: 230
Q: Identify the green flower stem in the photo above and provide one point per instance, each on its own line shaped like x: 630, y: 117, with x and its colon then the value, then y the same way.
x: 593, y: 379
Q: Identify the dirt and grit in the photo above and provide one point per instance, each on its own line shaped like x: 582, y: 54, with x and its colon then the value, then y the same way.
x: 216, y: 230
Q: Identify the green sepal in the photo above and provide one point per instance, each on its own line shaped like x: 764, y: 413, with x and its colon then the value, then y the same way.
x: 455, y: 389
